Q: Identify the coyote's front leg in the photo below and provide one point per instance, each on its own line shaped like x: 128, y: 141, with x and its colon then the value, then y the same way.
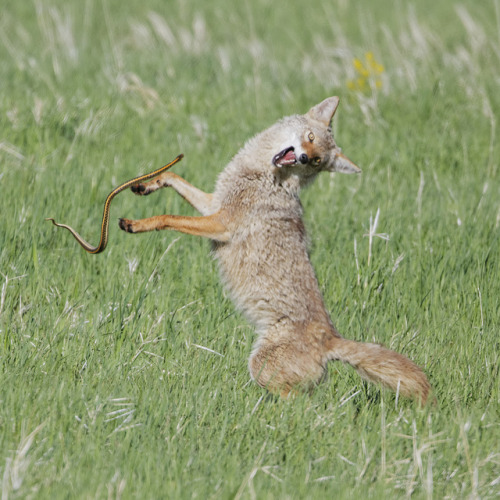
x: 200, y: 200
x: 209, y: 226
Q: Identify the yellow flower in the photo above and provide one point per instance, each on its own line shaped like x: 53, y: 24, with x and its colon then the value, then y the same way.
x: 368, y: 71
x: 360, y: 68
x: 374, y: 67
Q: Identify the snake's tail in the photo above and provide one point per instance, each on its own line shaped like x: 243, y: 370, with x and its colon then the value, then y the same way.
x: 86, y: 246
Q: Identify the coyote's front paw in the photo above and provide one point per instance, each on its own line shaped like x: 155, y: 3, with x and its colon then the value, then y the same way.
x: 127, y: 225
x: 139, y: 189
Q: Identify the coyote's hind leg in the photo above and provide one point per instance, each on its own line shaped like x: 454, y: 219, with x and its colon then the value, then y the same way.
x: 200, y: 200
x: 283, y: 367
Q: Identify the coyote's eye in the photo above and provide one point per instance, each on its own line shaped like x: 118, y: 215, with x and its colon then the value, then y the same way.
x: 317, y: 160
x: 310, y: 137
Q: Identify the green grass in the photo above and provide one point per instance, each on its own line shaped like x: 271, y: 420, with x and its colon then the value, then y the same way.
x: 124, y: 375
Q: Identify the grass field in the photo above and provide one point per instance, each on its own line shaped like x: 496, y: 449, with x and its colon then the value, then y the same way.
x: 123, y: 375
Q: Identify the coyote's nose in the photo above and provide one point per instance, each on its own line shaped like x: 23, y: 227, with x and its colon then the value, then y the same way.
x: 303, y: 158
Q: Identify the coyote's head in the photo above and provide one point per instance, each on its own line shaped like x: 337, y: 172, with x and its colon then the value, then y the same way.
x: 309, y: 144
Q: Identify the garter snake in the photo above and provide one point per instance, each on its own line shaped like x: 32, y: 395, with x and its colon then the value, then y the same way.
x: 105, y: 216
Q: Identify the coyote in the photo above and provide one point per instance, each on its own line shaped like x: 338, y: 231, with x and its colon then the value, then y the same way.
x: 254, y: 218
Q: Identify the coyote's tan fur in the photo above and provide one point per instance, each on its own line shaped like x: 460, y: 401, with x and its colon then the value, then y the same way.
x: 254, y: 218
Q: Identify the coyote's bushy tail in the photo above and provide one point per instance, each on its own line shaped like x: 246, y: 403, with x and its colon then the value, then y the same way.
x: 381, y: 365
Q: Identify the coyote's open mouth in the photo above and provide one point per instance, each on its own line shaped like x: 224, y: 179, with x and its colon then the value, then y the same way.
x: 285, y: 157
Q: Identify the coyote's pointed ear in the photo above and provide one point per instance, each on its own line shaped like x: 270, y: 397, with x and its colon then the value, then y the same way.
x: 324, y: 111
x: 340, y: 163
x: 346, y: 166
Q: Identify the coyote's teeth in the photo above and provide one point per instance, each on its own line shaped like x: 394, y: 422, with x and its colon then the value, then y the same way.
x: 285, y: 157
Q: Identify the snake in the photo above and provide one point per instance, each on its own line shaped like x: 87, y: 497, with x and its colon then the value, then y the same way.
x: 105, y: 216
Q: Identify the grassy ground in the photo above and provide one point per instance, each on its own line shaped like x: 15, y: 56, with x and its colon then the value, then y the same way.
x: 124, y: 374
